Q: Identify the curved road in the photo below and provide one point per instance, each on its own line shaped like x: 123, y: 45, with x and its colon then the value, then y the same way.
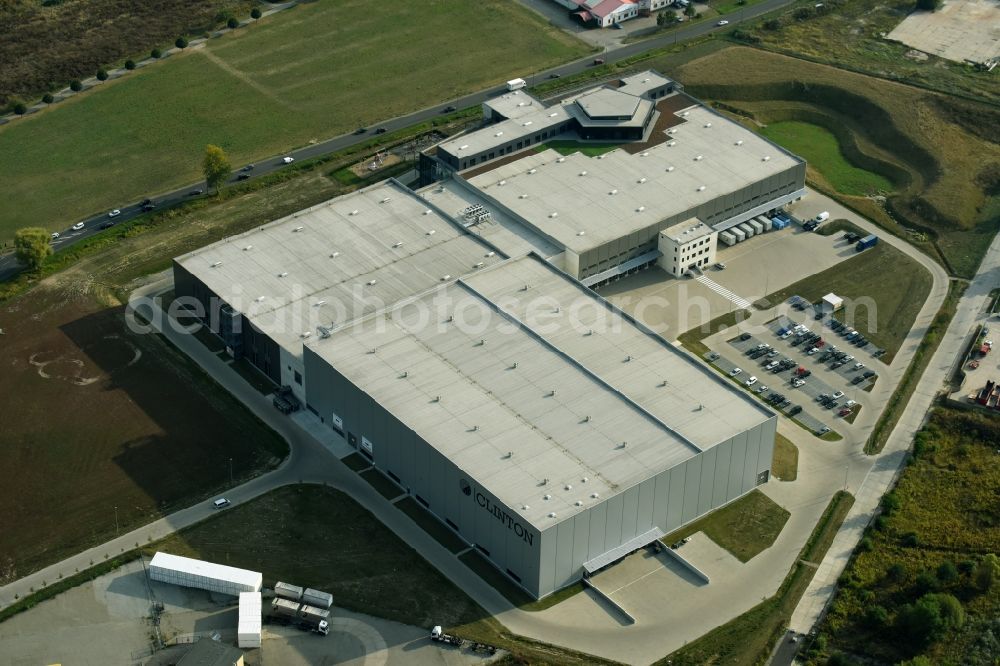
x: 9, y: 267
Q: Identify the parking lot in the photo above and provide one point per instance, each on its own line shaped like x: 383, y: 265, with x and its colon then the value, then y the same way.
x: 959, y: 30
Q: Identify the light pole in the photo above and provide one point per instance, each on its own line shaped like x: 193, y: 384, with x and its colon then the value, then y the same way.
x: 116, y: 520
x: 230, y: 471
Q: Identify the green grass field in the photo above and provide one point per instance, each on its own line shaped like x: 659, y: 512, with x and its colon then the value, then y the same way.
x: 820, y: 149
x: 745, y: 528
x: 883, y: 290
x: 307, y: 74
x: 785, y: 465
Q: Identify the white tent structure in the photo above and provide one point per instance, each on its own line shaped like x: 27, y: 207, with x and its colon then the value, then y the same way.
x: 832, y: 302
x: 248, y: 633
x: 187, y: 572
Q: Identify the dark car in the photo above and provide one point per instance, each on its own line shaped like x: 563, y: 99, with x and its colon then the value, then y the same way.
x: 553, y: 76
x: 448, y: 109
x: 858, y: 380
x: 818, y: 316
x: 194, y: 193
x: 361, y: 130
x: 248, y: 167
x: 745, y: 336
x: 107, y: 225
x: 868, y: 373
x: 145, y: 202
x: 380, y: 130
x: 795, y: 410
x: 243, y: 176
x: 148, y: 207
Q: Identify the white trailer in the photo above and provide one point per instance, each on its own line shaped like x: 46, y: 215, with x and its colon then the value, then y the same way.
x: 765, y: 221
x: 316, y: 598
x: 757, y: 227
x: 727, y: 238
x: 746, y: 229
x: 248, y: 631
x: 516, y: 84
x: 738, y: 234
x: 287, y: 591
x: 187, y: 572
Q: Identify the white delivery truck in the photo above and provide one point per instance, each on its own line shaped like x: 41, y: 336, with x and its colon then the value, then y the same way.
x: 516, y: 84
x: 727, y: 238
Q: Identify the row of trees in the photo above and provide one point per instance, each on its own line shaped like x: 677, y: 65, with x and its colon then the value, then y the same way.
x: 32, y: 245
x: 21, y: 108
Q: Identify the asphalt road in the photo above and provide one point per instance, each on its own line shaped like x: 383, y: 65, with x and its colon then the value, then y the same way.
x: 9, y: 267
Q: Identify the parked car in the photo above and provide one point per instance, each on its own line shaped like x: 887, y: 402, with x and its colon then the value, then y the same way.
x: 837, y: 395
x: 858, y: 379
x: 734, y: 372
x: 844, y: 412
x: 744, y: 336
x: 720, y: 266
x: 448, y: 109
x: 772, y: 353
x: 797, y: 383
x: 795, y: 410
x: 361, y: 130
x: 868, y: 373
x: 751, y: 381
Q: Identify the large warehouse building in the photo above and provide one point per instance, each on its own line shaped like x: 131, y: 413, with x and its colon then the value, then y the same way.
x: 449, y: 334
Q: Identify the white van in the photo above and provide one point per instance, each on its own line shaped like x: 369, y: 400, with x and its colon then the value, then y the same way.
x: 221, y: 503
x: 516, y: 84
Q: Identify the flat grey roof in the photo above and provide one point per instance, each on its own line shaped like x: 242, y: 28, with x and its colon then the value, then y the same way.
x: 536, y: 377
x: 505, y: 131
x: 338, y: 260
x: 617, y: 193
x: 687, y: 231
x: 515, y: 104
x: 643, y: 82
x: 607, y: 102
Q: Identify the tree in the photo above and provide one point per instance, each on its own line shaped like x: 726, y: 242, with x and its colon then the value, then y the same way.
x: 890, y: 503
x: 896, y: 572
x: 987, y: 572
x: 20, y: 108
x: 772, y: 24
x: 216, y: 166
x: 102, y: 75
x: 48, y: 98
x: 233, y: 23
x: 75, y: 86
x: 666, y: 17
x: 877, y: 617
x: 947, y: 572
x: 927, y: 620
x: 156, y: 53
x: 690, y: 10
x: 31, y: 246
x: 928, y: 5
x: 255, y: 13
x: 181, y: 43
x: 130, y: 64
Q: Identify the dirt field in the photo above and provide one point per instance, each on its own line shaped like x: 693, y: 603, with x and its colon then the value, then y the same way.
x: 102, y: 424
x: 961, y: 30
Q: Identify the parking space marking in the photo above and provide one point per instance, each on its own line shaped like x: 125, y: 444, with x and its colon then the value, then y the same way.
x: 738, y: 301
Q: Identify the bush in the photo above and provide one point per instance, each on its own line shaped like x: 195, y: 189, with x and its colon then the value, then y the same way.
x: 866, y: 545
x: 233, y: 23
x: 910, y: 540
x: 925, y: 582
x: 967, y: 566
x: 881, y: 523
x: 928, y: 5
x: 772, y: 24
x: 255, y: 13
x: 130, y: 64
x: 47, y: 98
x: 896, y: 572
x: 102, y: 75
x: 20, y: 108
x: 181, y: 43
x: 840, y: 659
x: 802, y: 13
x: 947, y: 572
x: 156, y: 53
x: 987, y: 572
x: 890, y: 503
x: 75, y: 86
x: 877, y: 617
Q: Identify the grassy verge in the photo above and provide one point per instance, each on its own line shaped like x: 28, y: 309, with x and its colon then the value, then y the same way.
x: 432, y: 526
x: 383, y: 485
x: 514, y: 594
x: 836, y: 226
x: 883, y: 290
x: 937, y: 526
x: 822, y: 151
x: 921, y: 358
x: 692, y: 339
x: 747, y: 640
x: 785, y: 464
x: 745, y: 527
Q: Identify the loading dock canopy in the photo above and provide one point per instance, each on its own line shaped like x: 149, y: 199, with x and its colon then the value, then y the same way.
x: 621, y: 551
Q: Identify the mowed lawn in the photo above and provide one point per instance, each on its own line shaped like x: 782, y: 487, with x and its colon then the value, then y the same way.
x: 305, y: 75
x: 820, y: 148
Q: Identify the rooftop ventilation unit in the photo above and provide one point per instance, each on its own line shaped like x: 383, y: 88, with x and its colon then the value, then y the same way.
x: 398, y: 244
x: 354, y: 212
x: 672, y: 144
x: 546, y: 497
x: 319, y: 304
x: 297, y: 229
x: 766, y: 158
x: 613, y: 192
x: 307, y: 334
x: 371, y: 283
x: 532, y: 170
x: 594, y: 495
x: 553, y: 214
x: 708, y: 124
x: 324, y: 332
x: 522, y: 196
x: 386, y: 200
x: 699, y: 158
x: 285, y: 274
x: 641, y: 180
x: 334, y: 255
x: 478, y: 264
x: 583, y: 173
x: 669, y: 169
x: 463, y: 146
x: 502, y: 183
x: 491, y: 253
x: 445, y: 278
x: 672, y: 130
x: 740, y: 142
x: 552, y: 515
x: 567, y: 487
x: 645, y: 154
x: 428, y: 211
x: 578, y: 503
x: 561, y: 159
x: 553, y: 114
x: 216, y: 264
x: 526, y: 123
x: 581, y: 233
x: 640, y: 209
x: 498, y: 134
x: 684, y: 114
x: 248, y: 248
x: 701, y: 188
x: 260, y: 299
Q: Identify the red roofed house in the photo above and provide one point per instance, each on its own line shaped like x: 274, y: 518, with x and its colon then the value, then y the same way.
x: 605, y: 13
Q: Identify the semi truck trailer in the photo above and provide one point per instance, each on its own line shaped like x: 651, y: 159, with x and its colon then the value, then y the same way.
x: 868, y: 241
x: 303, y: 616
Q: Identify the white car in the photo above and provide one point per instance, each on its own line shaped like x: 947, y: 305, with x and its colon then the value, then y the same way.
x: 55, y: 235
x: 858, y: 366
x: 221, y: 503
x: 798, y: 382
x: 722, y: 23
x: 850, y: 403
x: 288, y: 159
x: 838, y: 395
x: 734, y: 372
x: 114, y: 213
x: 78, y: 226
x: 751, y: 381
x: 812, y: 351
